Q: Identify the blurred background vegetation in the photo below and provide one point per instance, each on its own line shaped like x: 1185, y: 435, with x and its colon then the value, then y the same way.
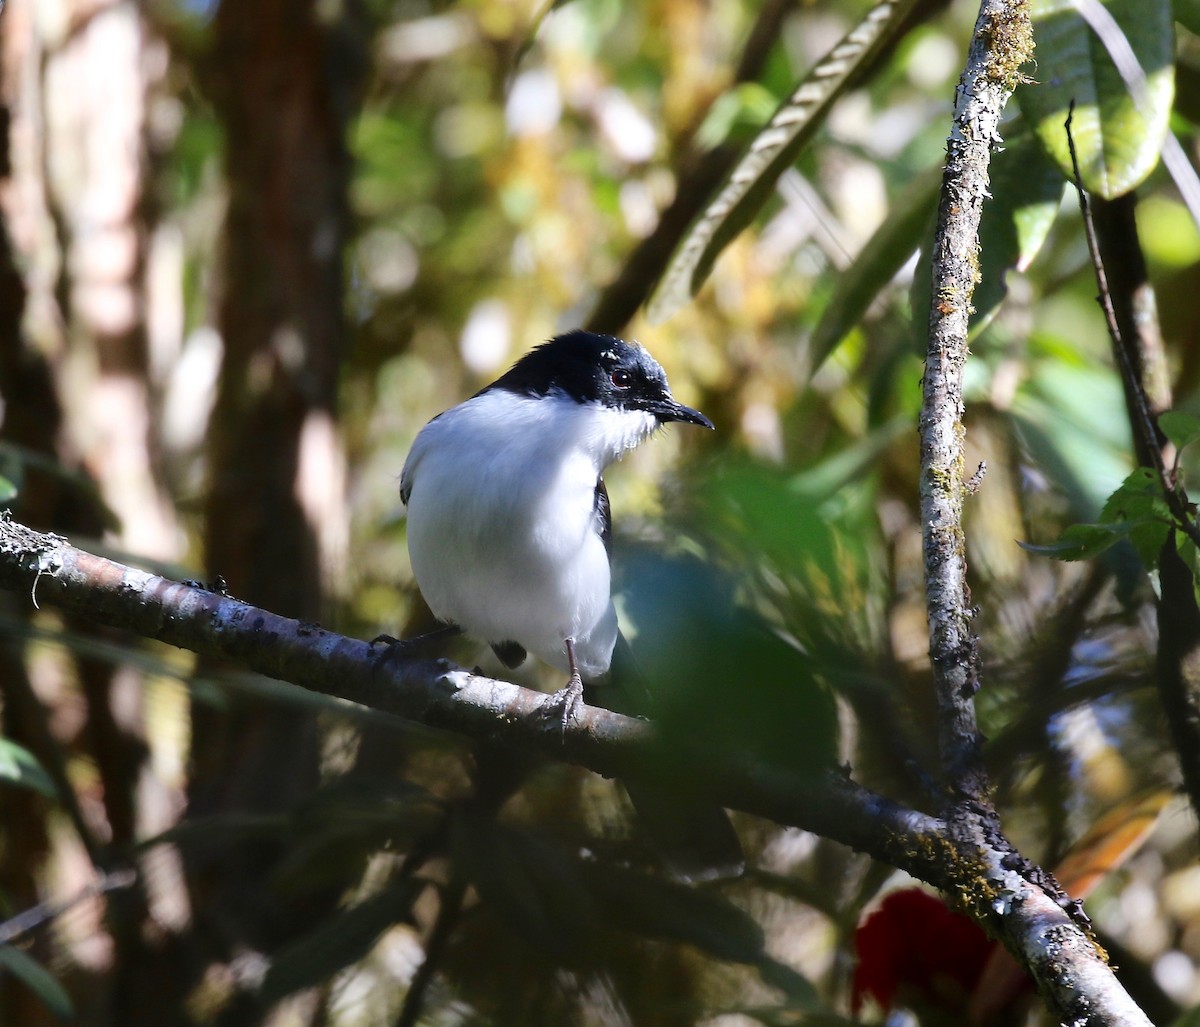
x: 253, y: 246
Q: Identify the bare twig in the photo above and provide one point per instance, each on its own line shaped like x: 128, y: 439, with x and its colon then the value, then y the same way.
x: 44, y: 912
x: 1001, y: 44
x: 1147, y: 393
x: 1145, y: 432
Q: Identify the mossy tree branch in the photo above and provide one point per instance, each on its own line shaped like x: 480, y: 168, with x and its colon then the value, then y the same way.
x: 970, y: 861
x: 1002, y: 43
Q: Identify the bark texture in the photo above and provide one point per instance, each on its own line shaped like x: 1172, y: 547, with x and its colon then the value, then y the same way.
x: 970, y: 860
x: 1001, y: 44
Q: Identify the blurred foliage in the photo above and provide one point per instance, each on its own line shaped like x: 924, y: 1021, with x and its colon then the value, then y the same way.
x: 508, y: 158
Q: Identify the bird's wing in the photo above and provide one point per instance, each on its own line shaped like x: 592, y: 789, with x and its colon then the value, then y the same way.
x: 603, y: 514
x: 420, y: 444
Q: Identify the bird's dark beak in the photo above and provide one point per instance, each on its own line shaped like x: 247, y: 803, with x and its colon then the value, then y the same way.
x: 669, y: 410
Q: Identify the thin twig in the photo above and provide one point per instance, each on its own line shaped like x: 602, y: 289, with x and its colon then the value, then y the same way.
x: 44, y: 912
x: 1177, y: 661
x: 1142, y: 420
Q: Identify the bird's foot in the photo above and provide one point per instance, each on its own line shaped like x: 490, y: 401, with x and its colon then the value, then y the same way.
x: 386, y: 648
x: 566, y: 704
x: 406, y: 648
x: 388, y: 640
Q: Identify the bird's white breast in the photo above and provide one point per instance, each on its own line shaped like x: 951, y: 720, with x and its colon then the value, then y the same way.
x: 502, y: 528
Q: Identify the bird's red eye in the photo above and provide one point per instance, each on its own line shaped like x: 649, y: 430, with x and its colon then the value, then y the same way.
x: 621, y: 378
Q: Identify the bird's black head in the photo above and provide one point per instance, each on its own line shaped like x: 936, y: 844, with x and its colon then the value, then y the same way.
x: 603, y: 369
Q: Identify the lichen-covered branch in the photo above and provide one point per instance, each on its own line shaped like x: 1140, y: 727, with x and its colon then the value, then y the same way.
x: 432, y: 692
x: 970, y: 860
x: 1001, y: 44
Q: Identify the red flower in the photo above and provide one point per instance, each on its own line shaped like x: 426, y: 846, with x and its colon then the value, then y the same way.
x: 915, y: 952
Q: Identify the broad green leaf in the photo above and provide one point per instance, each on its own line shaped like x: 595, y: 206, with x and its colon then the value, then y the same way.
x: 1081, y: 541
x: 772, y: 152
x: 691, y: 637
x: 849, y: 463
x: 877, y: 264
x: 16, y: 460
x: 1118, y: 127
x: 1139, y: 505
x: 1026, y: 189
x: 334, y: 832
x: 1137, y: 497
x: 18, y: 766
x: 1136, y: 510
x: 1063, y: 415
x: 38, y: 979
x: 219, y: 830
x: 801, y: 994
x: 8, y: 491
x: 1190, y: 556
x: 1026, y: 192
x: 1180, y: 427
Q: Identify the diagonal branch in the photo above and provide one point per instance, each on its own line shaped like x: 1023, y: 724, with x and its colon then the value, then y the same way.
x: 971, y: 861
x: 1001, y: 44
x: 432, y: 692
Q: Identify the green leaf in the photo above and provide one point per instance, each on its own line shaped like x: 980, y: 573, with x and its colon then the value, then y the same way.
x: 1139, y: 496
x: 799, y: 989
x: 335, y: 831
x: 1081, y: 541
x: 38, y: 979
x: 1063, y: 414
x: 1136, y: 510
x: 18, y: 766
x: 877, y: 264
x: 773, y: 151
x: 1026, y: 190
x: 1139, y: 504
x: 849, y: 463
x: 1118, y: 129
x: 344, y: 938
x: 8, y: 491
x: 1180, y: 427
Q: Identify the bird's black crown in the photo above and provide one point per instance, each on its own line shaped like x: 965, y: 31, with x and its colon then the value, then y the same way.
x: 590, y: 368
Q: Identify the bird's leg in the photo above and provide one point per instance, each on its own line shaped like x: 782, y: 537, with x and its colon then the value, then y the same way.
x: 565, y: 703
x: 409, y: 646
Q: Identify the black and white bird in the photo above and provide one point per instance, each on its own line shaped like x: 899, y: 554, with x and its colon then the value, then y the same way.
x: 508, y: 517
x: 509, y: 530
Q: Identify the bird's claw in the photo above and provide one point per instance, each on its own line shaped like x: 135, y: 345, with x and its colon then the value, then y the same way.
x: 394, y: 648
x: 566, y: 704
x: 411, y: 647
x: 388, y: 640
